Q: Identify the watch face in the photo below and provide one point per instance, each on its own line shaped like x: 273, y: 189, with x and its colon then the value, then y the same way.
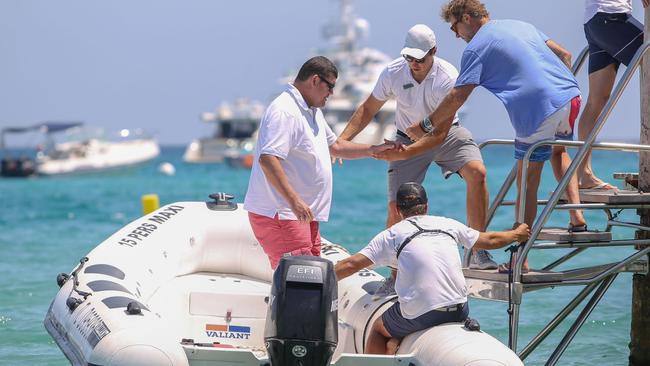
x: 426, y: 123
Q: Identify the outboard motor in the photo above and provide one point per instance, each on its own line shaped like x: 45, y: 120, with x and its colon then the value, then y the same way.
x: 302, y: 321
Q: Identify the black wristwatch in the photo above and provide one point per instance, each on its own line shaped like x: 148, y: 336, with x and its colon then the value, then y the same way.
x: 426, y: 125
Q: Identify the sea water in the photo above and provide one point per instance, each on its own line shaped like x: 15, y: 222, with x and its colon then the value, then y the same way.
x: 48, y: 224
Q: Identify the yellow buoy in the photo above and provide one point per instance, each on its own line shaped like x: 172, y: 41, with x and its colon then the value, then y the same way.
x: 150, y: 203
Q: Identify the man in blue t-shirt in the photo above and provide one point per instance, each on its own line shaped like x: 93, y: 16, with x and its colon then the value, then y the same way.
x: 530, y: 74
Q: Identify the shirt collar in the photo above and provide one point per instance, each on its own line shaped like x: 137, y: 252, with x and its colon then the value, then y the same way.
x: 433, y: 71
x: 295, y: 93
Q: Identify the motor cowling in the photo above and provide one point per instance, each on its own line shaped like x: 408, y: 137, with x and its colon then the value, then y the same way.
x: 301, y: 324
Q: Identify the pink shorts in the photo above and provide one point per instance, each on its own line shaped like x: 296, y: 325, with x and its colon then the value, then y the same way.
x: 281, y: 238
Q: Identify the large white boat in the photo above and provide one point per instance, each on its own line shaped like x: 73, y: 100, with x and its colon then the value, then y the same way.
x: 71, y: 149
x: 233, y: 136
x: 189, y: 284
x: 359, y: 68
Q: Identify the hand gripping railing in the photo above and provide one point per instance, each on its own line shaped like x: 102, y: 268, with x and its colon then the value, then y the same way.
x: 555, y: 197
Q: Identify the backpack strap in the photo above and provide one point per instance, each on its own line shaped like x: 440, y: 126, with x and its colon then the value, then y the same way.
x: 419, y: 232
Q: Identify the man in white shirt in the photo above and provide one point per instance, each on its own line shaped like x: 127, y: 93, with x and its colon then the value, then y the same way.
x: 430, y: 285
x: 419, y: 81
x: 290, y: 187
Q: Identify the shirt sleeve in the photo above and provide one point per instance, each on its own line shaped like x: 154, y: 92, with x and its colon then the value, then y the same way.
x: 383, y: 90
x: 378, y: 249
x: 275, y: 134
x: 449, y: 82
x: 465, y: 235
x: 471, y: 69
x: 330, y: 135
x: 543, y: 35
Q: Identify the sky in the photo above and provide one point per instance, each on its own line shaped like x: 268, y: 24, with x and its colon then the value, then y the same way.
x: 158, y: 64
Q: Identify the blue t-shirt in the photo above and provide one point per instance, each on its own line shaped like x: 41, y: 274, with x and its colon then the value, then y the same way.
x: 510, y: 58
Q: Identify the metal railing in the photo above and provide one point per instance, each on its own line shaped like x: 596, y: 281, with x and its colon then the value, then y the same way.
x: 601, y: 280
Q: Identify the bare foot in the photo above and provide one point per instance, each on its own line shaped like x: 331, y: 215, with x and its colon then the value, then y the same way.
x: 594, y: 182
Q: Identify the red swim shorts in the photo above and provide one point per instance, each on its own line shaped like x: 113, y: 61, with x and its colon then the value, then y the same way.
x: 285, y: 237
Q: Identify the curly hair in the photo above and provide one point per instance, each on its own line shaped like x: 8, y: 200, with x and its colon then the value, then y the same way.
x: 456, y: 9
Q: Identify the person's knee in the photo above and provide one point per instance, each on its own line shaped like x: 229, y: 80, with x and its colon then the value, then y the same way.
x: 379, y: 328
x: 597, y: 99
x: 474, y: 172
x: 558, y: 151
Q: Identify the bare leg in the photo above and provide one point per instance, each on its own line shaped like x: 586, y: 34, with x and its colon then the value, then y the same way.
x: 378, y: 338
x: 393, y: 215
x: 560, y: 162
x: 532, y: 184
x: 601, y: 83
x: 477, y: 194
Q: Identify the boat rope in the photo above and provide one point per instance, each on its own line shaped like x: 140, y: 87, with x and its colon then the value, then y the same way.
x: 513, y: 249
x: 75, y: 278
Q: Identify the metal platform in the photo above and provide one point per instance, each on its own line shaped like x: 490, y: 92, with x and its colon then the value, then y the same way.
x: 613, y: 197
x: 492, y: 285
x: 560, y: 234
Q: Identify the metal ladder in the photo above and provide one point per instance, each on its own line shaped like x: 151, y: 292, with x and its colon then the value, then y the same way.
x: 491, y: 285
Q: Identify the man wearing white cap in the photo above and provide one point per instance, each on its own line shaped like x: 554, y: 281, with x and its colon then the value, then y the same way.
x: 419, y: 81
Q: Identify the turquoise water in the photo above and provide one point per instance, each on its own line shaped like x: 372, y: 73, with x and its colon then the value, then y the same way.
x: 47, y: 224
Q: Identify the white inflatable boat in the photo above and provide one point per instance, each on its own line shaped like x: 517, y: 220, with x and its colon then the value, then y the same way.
x: 189, y: 285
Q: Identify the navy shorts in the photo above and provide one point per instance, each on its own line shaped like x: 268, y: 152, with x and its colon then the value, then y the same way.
x: 399, y: 327
x: 613, y: 39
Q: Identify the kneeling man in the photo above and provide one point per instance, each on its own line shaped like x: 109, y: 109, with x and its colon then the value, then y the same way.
x: 430, y: 285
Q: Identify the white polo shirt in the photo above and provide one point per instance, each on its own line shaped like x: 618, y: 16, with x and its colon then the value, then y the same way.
x: 606, y: 6
x: 429, y: 274
x: 415, y: 100
x: 300, y: 137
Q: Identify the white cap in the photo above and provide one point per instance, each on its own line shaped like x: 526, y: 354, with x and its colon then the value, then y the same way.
x: 419, y: 40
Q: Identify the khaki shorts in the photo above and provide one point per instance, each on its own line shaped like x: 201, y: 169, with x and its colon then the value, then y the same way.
x: 457, y: 150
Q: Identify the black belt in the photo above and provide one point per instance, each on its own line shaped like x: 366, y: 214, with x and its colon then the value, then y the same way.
x: 404, y: 135
x: 450, y: 308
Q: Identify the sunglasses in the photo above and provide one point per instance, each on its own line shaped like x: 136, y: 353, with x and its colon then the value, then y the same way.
x: 413, y: 59
x: 453, y: 26
x: 330, y: 86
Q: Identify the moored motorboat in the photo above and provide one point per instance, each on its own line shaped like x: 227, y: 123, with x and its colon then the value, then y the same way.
x: 189, y: 285
x: 79, y: 153
x: 235, y: 125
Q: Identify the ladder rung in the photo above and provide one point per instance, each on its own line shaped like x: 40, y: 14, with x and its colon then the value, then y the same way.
x: 559, y: 234
x: 619, y: 197
x: 491, y: 285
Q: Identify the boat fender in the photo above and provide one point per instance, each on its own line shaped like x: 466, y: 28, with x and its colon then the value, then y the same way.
x: 472, y: 325
x: 62, y: 278
x: 133, y: 308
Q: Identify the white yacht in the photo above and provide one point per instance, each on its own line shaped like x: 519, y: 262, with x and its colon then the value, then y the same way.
x: 359, y: 68
x: 71, y: 149
x: 234, y: 127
